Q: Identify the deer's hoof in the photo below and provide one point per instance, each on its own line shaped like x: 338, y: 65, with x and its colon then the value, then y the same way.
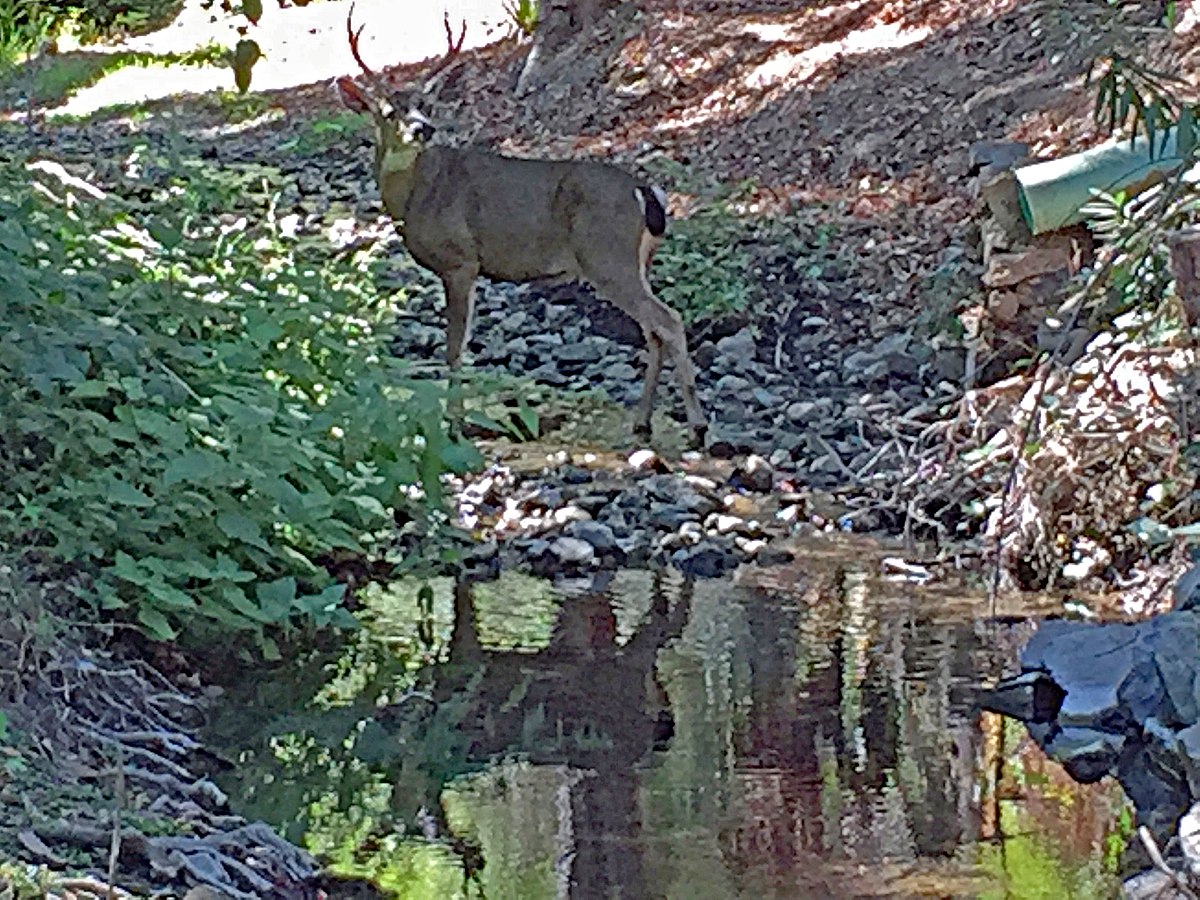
x: 641, y: 431
x: 697, y: 437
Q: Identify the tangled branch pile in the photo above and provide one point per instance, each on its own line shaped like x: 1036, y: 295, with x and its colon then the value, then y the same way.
x: 108, y: 775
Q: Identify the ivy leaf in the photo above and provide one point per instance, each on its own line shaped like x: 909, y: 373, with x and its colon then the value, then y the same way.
x: 90, y: 390
x: 156, y: 624
x: 277, y: 598
x: 245, y: 55
x: 228, y: 570
x: 193, y: 466
x: 324, y: 602
x: 242, y: 528
x: 170, y: 597
x: 127, y: 495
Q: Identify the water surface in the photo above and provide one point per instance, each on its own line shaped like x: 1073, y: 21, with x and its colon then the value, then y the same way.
x: 806, y: 731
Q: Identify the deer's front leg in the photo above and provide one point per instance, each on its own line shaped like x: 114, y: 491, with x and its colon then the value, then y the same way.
x: 459, y: 285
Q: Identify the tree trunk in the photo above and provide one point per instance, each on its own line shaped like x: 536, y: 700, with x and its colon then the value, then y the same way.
x: 562, y: 38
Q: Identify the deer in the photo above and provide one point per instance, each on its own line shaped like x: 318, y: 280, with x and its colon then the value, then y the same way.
x: 466, y: 213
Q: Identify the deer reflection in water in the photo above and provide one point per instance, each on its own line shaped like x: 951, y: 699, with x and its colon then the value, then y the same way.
x: 587, y: 705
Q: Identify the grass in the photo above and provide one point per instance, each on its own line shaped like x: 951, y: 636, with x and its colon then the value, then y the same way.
x: 50, y: 80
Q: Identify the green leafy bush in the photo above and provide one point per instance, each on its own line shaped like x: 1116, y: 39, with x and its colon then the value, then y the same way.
x: 719, y: 261
x: 194, y: 410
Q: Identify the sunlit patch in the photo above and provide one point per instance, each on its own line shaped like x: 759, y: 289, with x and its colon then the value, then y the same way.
x: 792, y: 67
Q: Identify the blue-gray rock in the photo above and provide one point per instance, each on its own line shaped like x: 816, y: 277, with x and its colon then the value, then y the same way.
x: 739, y: 346
x: 1030, y: 697
x: 572, y: 551
x: 596, y: 534
x: 708, y: 559
x: 1187, y: 589
x: 1086, y: 754
x: 669, y: 516
x: 1091, y: 662
x: 766, y: 399
x: 1174, y: 639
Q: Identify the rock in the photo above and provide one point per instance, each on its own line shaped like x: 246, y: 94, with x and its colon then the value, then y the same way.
x: 575, y: 475
x: 732, y: 384
x: 1009, y: 269
x: 697, y: 503
x: 635, y: 548
x: 1087, y: 755
x: 765, y: 398
x: 587, y: 350
x: 996, y: 155
x: 1151, y: 885
x: 669, y: 516
x: 814, y: 322
x: 1029, y: 697
x: 780, y: 458
x: 755, y: 474
x: 623, y: 373
x: 570, y: 513
x: 1187, y: 589
x: 518, y: 346
x: 1189, y: 838
x: 708, y: 559
x: 597, y: 534
x: 595, y: 504
x: 801, y: 411
x: 572, y: 551
x: 740, y: 347
x: 725, y: 524
x: 774, y: 555
x: 548, y: 374
x: 1091, y: 662
x: 649, y: 460
x: 705, y: 356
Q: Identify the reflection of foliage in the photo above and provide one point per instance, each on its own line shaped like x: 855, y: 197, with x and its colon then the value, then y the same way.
x: 505, y: 811
x: 1029, y: 868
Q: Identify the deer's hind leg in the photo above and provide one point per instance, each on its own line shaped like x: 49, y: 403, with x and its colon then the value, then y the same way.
x: 664, y: 333
x: 645, y: 407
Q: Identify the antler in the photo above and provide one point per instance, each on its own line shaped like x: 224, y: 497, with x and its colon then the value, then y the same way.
x: 452, y: 55
x: 449, y: 58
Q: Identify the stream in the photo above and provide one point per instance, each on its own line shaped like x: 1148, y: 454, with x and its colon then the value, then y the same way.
x: 799, y: 731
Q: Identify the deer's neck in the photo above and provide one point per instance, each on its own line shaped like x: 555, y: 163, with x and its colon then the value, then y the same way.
x: 395, y: 170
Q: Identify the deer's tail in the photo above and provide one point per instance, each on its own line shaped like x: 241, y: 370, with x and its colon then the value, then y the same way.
x: 654, y: 208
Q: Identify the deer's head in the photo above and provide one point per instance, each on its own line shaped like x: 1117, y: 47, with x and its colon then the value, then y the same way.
x: 401, y: 129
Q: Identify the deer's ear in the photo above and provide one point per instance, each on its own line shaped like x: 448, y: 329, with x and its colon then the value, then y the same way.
x: 352, y: 96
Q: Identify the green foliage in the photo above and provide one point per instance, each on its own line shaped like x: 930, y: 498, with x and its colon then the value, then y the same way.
x: 1133, y: 275
x: 1134, y: 96
x: 57, y: 77
x: 195, y: 411
x: 27, y: 24
x: 710, y: 264
x: 328, y: 131
x: 24, y: 26
x: 522, y: 15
